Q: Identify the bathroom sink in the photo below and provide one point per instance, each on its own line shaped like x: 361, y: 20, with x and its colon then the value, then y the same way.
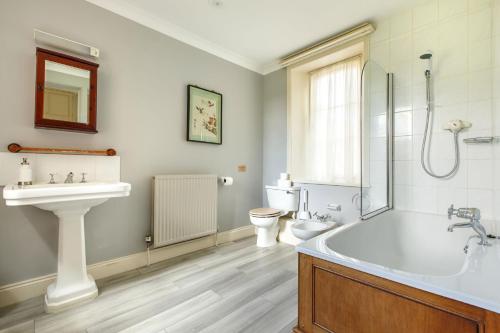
x: 39, y: 194
x: 307, y: 229
x: 70, y: 203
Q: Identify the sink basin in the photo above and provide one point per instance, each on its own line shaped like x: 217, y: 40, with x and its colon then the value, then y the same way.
x: 307, y: 229
x: 70, y: 203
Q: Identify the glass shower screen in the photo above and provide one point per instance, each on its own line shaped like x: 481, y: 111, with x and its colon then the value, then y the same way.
x: 376, y: 192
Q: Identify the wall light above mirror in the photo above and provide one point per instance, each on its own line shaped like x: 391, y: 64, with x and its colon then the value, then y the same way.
x: 66, y: 92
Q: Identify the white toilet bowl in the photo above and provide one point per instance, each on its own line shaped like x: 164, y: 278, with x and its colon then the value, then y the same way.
x: 282, y: 200
x: 266, y: 221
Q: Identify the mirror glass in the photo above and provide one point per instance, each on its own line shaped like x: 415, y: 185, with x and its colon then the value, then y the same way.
x: 66, y: 93
x: 376, y: 184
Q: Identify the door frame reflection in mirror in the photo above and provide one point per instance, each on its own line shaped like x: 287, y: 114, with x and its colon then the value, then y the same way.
x: 43, y: 55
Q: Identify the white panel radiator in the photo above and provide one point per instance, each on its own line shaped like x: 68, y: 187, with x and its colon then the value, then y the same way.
x: 184, y: 208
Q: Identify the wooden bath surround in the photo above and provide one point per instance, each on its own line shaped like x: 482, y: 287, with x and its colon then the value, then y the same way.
x: 334, y: 298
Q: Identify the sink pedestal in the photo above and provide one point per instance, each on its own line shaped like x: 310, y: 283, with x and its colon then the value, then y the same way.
x: 73, y: 285
x: 70, y: 203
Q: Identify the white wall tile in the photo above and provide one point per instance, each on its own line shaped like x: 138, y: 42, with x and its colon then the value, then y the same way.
x: 402, y: 99
x: 482, y: 199
x: 496, y: 83
x: 401, y: 23
x: 420, y: 178
x: 403, y: 173
x: 402, y: 74
x: 479, y: 151
x: 401, y: 49
x: 480, y: 85
x: 419, y: 120
x: 448, y: 196
x: 480, y: 53
x: 496, y: 51
x: 480, y: 25
x: 403, y: 123
x: 452, y: 32
x: 417, y: 145
x: 451, y: 7
x: 97, y: 168
x: 382, y: 31
x: 403, y: 146
x: 480, y: 174
x: 496, y: 174
x: 451, y: 90
x: 480, y: 115
x: 425, y: 199
x: 378, y: 126
x: 378, y: 103
x: 419, y: 96
x: 496, y: 19
x: 107, y: 169
x: 380, y: 54
x: 451, y: 60
x: 479, y: 4
x: 402, y: 197
x: 378, y: 149
x: 425, y: 14
x: 496, y: 117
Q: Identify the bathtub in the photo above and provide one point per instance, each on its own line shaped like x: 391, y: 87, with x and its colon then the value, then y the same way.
x: 416, y: 249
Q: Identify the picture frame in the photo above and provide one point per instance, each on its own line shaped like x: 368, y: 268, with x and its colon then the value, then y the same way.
x: 204, y: 115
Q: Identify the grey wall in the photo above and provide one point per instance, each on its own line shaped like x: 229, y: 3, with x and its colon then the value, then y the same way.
x: 275, y: 152
x: 275, y: 127
x: 141, y: 112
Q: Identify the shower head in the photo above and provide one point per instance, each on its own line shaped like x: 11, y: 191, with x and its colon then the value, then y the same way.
x: 427, y: 56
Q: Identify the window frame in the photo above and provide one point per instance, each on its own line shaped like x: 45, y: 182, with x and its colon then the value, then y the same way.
x: 357, y: 48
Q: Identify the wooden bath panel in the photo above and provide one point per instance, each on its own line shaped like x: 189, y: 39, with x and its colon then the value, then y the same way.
x: 334, y: 298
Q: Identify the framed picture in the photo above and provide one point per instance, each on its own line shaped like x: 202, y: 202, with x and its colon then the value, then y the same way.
x: 204, y: 118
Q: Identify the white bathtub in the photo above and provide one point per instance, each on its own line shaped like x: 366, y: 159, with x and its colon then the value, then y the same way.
x: 417, y: 250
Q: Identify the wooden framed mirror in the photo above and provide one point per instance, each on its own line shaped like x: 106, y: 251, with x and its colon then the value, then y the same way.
x: 66, y: 92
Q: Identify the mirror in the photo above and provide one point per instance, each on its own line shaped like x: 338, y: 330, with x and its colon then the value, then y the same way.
x: 66, y: 92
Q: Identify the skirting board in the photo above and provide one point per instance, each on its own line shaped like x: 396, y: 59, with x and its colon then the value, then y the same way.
x: 23, y: 290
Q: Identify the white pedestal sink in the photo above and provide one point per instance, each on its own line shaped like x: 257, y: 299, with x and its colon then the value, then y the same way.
x: 69, y: 202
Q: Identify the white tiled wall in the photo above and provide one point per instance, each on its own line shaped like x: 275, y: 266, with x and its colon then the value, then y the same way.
x: 97, y: 168
x: 464, y: 37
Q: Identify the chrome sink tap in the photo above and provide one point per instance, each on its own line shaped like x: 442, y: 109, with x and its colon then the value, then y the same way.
x: 69, y: 178
x: 474, y: 217
x: 322, y: 218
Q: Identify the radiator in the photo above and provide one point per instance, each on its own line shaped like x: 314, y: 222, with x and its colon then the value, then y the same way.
x: 184, y: 208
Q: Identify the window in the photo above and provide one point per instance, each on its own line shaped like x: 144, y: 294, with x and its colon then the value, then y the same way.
x: 333, y: 144
x: 325, y: 120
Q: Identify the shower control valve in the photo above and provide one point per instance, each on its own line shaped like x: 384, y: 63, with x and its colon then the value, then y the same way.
x: 456, y: 125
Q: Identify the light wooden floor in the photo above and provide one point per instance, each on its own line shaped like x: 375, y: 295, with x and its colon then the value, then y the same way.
x: 235, y: 287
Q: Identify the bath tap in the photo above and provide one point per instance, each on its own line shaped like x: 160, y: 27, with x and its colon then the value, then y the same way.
x: 474, y: 215
x: 69, y: 178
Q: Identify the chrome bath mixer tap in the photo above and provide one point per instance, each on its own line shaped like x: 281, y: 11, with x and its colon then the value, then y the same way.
x: 474, y: 217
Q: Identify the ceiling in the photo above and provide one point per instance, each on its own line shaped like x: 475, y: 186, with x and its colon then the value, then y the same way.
x: 252, y: 33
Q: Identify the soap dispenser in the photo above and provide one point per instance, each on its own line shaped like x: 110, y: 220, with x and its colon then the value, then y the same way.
x: 25, y: 173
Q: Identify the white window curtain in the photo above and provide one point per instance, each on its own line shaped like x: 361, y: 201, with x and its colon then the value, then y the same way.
x: 333, y: 138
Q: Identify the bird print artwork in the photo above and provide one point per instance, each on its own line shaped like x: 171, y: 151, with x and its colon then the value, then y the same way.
x: 205, y: 115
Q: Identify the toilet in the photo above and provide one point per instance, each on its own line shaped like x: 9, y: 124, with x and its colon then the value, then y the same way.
x: 282, y: 200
